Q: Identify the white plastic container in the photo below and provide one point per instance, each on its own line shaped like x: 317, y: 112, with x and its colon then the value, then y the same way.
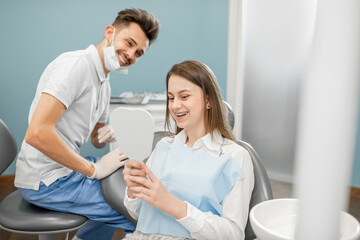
x: 277, y: 219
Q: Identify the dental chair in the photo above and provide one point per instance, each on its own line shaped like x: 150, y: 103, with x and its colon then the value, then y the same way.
x: 113, y: 187
x: 19, y: 216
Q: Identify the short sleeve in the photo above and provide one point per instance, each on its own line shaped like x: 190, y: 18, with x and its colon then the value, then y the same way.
x: 66, y: 79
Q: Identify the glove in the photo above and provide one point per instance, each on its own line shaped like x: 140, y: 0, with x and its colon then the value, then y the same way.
x: 108, y: 164
x: 106, y: 135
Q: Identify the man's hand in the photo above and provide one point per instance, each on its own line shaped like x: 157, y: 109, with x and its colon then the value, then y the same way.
x: 108, y: 164
x: 106, y: 134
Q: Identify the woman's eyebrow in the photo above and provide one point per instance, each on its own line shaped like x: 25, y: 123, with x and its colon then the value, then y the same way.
x: 179, y: 92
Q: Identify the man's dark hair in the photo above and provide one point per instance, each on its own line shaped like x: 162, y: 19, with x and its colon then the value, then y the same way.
x: 146, y: 21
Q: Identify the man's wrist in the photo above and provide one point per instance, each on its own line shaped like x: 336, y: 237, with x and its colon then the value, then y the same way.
x: 90, y: 171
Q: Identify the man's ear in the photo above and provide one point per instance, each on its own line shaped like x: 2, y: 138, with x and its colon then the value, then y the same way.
x: 109, y: 31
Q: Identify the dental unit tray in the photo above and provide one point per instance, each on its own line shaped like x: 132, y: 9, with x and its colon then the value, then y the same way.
x: 139, y: 97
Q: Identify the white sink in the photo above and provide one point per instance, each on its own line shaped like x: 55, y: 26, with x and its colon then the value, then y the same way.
x: 276, y: 220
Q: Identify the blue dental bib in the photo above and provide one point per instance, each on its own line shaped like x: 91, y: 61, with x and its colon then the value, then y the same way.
x: 195, y: 176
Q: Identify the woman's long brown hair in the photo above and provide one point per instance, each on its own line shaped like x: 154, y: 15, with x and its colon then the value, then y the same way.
x: 202, y: 76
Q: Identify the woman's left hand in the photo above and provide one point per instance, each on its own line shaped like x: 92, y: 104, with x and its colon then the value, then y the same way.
x: 153, y: 192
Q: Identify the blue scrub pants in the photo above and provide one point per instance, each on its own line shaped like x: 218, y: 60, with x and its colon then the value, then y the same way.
x: 78, y: 194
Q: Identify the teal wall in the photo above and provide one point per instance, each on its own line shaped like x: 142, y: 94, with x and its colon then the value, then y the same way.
x: 34, y: 32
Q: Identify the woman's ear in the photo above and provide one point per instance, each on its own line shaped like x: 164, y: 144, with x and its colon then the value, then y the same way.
x: 208, y: 105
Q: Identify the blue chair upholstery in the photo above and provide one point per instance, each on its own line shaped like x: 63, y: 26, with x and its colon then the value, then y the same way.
x: 19, y: 216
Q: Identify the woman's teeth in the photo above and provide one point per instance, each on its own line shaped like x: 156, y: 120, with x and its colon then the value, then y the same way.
x: 180, y: 114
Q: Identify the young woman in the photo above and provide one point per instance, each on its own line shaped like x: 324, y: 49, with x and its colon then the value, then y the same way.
x: 197, y: 184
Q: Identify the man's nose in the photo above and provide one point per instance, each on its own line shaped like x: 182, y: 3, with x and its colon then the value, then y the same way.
x: 130, y: 56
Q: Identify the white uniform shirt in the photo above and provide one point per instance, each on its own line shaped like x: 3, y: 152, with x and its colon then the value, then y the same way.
x: 77, y: 79
x: 205, y: 225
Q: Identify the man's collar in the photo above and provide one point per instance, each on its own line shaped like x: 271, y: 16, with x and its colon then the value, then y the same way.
x: 97, y: 62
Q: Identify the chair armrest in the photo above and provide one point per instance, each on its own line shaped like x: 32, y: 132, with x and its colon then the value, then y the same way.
x: 113, y: 189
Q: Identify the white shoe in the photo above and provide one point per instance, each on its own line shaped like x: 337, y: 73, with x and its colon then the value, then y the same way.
x: 76, y: 238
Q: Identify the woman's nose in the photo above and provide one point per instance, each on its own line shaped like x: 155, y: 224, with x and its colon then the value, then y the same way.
x: 176, y: 103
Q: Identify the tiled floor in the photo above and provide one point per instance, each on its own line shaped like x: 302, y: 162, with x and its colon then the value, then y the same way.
x: 281, y: 189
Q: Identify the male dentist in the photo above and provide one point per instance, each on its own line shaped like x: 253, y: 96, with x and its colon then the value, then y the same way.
x: 72, y: 103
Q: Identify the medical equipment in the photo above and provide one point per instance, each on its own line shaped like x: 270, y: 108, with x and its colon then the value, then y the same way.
x: 139, y: 97
x: 136, y: 121
x: 110, y: 59
x: 277, y: 220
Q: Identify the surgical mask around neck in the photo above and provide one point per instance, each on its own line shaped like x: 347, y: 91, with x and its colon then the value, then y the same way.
x: 110, y: 59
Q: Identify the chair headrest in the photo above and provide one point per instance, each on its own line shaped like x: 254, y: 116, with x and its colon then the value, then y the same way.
x: 230, y: 115
x: 8, y: 147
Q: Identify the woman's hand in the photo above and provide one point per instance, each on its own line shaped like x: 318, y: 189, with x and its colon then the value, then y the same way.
x: 153, y: 191
x: 133, y: 169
